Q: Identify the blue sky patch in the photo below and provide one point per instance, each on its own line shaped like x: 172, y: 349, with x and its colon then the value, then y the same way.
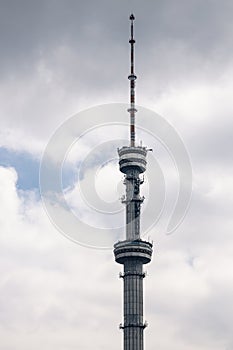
x: 28, y: 167
x: 25, y: 164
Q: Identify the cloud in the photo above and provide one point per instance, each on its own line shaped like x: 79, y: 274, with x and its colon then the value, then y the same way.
x: 53, y: 65
x: 43, y: 290
x: 58, y: 59
x: 47, y: 292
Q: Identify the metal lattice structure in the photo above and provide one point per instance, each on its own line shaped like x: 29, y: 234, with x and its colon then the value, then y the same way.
x: 133, y: 252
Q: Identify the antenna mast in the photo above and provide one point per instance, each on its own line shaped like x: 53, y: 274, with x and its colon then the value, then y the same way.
x: 132, y: 77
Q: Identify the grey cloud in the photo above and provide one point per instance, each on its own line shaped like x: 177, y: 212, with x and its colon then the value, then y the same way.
x: 57, y: 56
x: 165, y: 31
x: 215, y: 143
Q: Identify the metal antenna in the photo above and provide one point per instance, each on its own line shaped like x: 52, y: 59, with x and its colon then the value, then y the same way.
x: 132, y: 77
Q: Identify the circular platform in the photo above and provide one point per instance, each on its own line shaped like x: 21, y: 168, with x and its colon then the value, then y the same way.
x: 138, y: 249
x: 132, y: 158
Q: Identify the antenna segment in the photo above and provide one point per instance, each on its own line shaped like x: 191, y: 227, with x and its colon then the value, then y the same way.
x: 132, y: 77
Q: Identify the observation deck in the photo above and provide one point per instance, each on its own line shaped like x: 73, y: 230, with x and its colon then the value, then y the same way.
x: 137, y: 249
x: 132, y: 158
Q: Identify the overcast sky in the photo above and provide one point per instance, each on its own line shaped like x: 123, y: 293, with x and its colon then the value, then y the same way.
x: 58, y: 58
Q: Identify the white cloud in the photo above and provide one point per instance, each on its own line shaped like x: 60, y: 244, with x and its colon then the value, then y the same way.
x: 58, y: 295
x: 47, y: 283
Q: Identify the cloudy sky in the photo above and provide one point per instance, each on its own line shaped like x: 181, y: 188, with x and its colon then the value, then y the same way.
x: 59, y: 58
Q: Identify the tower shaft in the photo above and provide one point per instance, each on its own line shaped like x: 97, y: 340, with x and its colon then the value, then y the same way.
x: 133, y: 205
x: 133, y: 305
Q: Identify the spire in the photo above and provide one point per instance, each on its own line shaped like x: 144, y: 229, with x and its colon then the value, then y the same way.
x: 132, y: 77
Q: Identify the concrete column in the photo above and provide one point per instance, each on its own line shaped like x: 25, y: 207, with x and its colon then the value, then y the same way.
x: 133, y: 305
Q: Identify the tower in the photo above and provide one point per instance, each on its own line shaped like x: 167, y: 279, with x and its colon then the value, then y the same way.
x: 133, y: 252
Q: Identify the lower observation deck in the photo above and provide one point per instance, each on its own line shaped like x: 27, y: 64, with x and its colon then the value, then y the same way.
x: 137, y: 249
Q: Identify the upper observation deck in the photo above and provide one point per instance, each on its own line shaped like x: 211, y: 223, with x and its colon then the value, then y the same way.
x: 132, y: 158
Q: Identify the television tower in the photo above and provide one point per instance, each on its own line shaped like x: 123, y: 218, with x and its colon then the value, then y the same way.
x: 133, y: 252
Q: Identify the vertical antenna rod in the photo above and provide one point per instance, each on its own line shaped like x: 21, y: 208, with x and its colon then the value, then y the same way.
x: 132, y: 77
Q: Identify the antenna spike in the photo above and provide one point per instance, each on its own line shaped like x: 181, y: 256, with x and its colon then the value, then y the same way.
x: 132, y: 77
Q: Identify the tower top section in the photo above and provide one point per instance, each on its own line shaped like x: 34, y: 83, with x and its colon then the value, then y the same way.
x: 132, y: 157
x: 132, y: 77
